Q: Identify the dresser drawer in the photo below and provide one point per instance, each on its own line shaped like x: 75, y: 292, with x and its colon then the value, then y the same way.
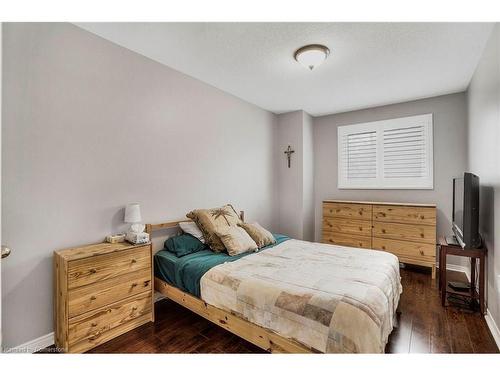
x: 90, y: 326
x: 103, y: 293
x: 103, y: 267
x: 348, y: 226
x: 406, y: 249
x: 405, y: 232
x: 347, y: 240
x: 405, y: 214
x: 347, y: 210
x: 91, y: 342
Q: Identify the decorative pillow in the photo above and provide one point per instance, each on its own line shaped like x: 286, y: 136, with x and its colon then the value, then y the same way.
x: 236, y: 240
x: 183, y: 244
x: 215, y: 219
x: 261, y: 236
x: 192, y: 229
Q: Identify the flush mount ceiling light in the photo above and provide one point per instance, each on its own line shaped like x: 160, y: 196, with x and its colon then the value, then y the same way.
x: 311, y: 55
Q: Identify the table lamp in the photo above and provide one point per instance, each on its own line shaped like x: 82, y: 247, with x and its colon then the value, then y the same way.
x: 136, y: 233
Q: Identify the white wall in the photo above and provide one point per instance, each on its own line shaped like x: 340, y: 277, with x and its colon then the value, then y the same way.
x: 90, y: 126
x: 484, y: 158
x: 450, y: 159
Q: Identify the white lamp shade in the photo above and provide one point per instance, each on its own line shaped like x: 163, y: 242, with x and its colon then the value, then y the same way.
x: 312, y: 56
x: 133, y: 213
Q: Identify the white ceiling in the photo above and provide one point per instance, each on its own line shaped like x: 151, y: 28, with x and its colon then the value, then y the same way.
x: 370, y: 64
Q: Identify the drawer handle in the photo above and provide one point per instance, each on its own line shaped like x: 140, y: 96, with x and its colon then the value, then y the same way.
x: 134, y: 260
x: 360, y: 212
x: 383, y: 230
x: 361, y: 229
x: 134, y: 285
x: 134, y: 308
x: 422, y: 217
x: 383, y: 247
x: 421, y: 252
x: 92, y: 270
x: 382, y: 214
x: 146, y: 283
x: 92, y: 298
x: 94, y: 324
x: 422, y: 235
x: 95, y: 336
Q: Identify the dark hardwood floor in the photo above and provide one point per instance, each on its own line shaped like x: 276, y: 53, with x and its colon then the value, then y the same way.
x: 424, y: 326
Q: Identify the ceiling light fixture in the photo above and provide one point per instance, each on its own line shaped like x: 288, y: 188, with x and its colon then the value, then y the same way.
x: 311, y: 55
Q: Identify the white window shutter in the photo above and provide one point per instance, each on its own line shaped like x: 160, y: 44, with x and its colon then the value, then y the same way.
x: 358, y: 156
x: 407, y: 153
x: 389, y: 154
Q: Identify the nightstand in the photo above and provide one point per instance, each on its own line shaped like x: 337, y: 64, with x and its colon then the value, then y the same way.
x: 475, y: 293
x: 101, y: 291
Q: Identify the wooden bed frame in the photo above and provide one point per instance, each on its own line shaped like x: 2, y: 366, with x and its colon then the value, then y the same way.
x: 257, y: 335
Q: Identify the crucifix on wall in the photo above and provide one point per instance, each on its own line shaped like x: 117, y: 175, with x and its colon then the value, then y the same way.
x: 289, y: 153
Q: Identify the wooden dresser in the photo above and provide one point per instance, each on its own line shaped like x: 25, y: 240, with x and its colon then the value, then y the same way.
x: 101, y: 291
x: 406, y: 230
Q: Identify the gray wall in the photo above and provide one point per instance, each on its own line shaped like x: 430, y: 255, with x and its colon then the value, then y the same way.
x: 484, y: 158
x: 289, y: 182
x: 1, y: 242
x: 89, y: 126
x: 308, y: 177
x: 295, y: 184
x: 450, y: 159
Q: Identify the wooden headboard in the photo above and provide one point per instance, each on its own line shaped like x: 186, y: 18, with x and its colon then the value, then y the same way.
x: 165, y: 227
x: 150, y: 228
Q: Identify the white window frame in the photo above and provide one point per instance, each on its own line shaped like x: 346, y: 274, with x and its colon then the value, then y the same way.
x: 426, y: 182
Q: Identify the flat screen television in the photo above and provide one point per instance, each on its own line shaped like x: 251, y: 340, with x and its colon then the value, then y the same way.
x: 466, y: 210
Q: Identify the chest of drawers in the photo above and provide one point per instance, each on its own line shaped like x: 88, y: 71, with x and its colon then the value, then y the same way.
x: 406, y: 230
x: 101, y: 291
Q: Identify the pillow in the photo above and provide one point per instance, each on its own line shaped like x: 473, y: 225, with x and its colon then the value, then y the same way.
x: 261, y: 236
x: 192, y: 229
x: 183, y: 244
x: 236, y: 240
x: 215, y: 219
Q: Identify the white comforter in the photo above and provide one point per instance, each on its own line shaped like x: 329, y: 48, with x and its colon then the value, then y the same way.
x: 331, y: 298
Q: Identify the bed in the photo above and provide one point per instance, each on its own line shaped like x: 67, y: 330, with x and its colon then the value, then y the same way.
x: 291, y: 297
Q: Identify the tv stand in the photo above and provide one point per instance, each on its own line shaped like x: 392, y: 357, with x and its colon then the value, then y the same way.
x: 474, y: 293
x: 452, y: 240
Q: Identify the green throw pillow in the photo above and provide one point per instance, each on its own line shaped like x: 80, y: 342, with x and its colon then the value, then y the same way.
x: 183, y: 244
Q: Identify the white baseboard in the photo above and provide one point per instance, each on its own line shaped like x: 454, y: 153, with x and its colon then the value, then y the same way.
x: 159, y: 296
x: 34, y: 345
x: 493, y: 327
x: 457, y: 268
x: 48, y: 339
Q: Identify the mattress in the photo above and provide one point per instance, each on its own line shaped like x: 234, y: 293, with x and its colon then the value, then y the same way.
x: 186, y: 272
x: 334, y: 299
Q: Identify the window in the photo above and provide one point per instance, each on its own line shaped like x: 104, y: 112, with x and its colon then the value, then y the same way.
x: 389, y: 154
